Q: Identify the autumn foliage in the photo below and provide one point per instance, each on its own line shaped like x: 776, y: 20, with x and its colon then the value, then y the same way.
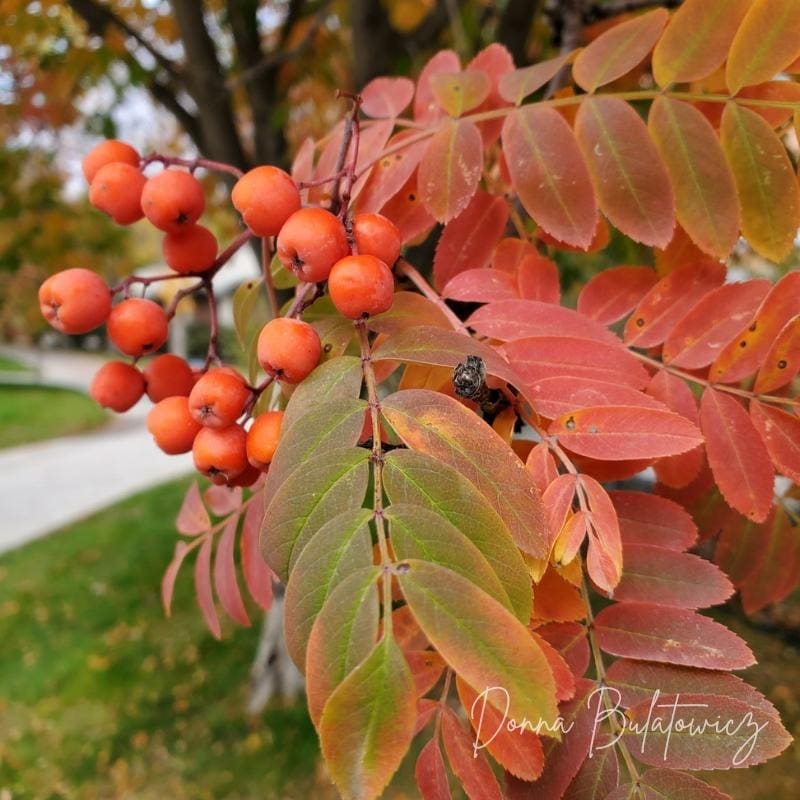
x: 435, y: 493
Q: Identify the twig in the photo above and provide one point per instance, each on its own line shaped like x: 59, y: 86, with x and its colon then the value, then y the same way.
x: 411, y: 272
x: 191, y: 163
x: 266, y: 266
x: 345, y: 170
x: 213, y: 339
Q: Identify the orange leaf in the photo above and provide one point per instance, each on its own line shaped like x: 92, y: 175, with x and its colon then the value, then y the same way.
x: 604, y: 557
x: 618, y: 50
x: 739, y: 459
x: 781, y: 435
x: 386, y: 97
x: 615, y: 292
x: 782, y: 362
x: 430, y: 773
x: 471, y: 768
x: 517, y: 85
x: 426, y: 109
x: 459, y: 92
x: 537, y: 279
x: 631, y: 181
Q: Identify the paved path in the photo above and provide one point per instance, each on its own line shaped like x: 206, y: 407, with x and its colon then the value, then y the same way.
x: 46, y: 485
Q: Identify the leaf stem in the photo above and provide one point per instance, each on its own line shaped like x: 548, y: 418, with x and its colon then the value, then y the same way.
x: 415, y: 276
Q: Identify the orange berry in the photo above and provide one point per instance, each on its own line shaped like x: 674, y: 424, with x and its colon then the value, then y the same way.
x: 117, y: 385
x: 173, y: 200
x: 168, y: 375
x: 246, y: 478
x: 311, y: 241
x: 262, y: 438
x: 75, y: 300
x: 218, y: 398
x: 117, y: 190
x: 192, y: 249
x: 376, y: 235
x: 265, y: 197
x: 137, y: 326
x: 361, y: 286
x: 221, y: 453
x: 289, y: 349
x: 172, y: 426
x: 110, y: 151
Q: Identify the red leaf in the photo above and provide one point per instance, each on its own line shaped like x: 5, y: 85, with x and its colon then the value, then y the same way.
x: 469, y: 766
x: 672, y: 635
x: 631, y: 181
x: 611, y: 433
x: 780, y: 432
x: 481, y: 286
x: 426, y: 668
x: 740, y: 543
x: 669, y: 300
x: 700, y: 335
x: 651, y: 520
x: 782, y: 362
x: 738, y: 458
x: 681, y: 470
x: 615, y: 292
x: 553, y: 397
x: 460, y: 92
x: 658, y: 784
x: 192, y: 517
x: 745, y: 353
x: 598, y: 775
x: 450, y: 169
x: 604, y: 558
x: 618, y: 50
x: 782, y: 91
x: 569, y: 638
x: 600, y: 239
x: 549, y: 175
x: 202, y: 582
x: 496, y: 61
x: 426, y: 710
x: 519, y: 751
x: 562, y: 674
x: 542, y: 466
x: 170, y: 575
x: 222, y: 500
x: 386, y: 97
x: 540, y: 357
x: 390, y: 173
x: 537, y: 278
x: 557, y: 500
x: 408, y: 212
x: 556, y: 599
x: 517, y: 319
x: 430, y: 773
x: 257, y: 575
x: 303, y: 164
x: 225, y: 580
x: 664, y: 577
x: 517, y: 85
x: 468, y: 240
x: 426, y: 109
x: 509, y: 252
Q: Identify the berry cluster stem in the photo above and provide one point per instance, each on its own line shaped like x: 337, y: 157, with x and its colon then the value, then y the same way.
x: 345, y: 170
x: 191, y: 163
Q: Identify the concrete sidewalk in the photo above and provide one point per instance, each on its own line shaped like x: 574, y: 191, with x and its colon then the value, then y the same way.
x: 46, y: 485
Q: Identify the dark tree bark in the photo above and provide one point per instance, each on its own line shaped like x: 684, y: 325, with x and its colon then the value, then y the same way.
x: 375, y: 44
x: 515, y: 26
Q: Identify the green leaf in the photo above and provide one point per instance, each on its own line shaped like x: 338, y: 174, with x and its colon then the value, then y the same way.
x: 480, y: 640
x: 765, y: 181
x: 342, y: 636
x: 337, y: 379
x: 334, y: 482
x: 416, y: 478
x: 330, y: 425
x: 435, y: 424
x: 408, y: 309
x: 245, y: 299
x: 417, y: 532
x: 282, y: 278
x: 368, y: 723
x: 340, y: 547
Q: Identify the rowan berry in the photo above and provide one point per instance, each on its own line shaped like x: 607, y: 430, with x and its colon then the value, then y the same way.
x: 262, y: 438
x: 311, y: 241
x: 137, y: 326
x: 193, y: 249
x: 173, y: 200
x: 75, y: 300
x: 218, y: 398
x: 376, y: 235
x: 361, y: 286
x: 221, y: 453
x: 110, y: 151
x: 289, y: 349
x: 246, y: 478
x: 117, y: 385
x: 172, y: 426
x: 265, y: 197
x: 168, y: 375
x: 117, y: 191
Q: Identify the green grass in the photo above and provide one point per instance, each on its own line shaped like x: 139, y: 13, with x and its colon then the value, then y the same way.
x: 33, y: 413
x: 10, y: 365
x: 101, y: 696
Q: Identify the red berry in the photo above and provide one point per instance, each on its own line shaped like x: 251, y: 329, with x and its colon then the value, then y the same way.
x: 173, y: 200
x: 221, y: 453
x: 117, y: 191
x: 289, y: 349
x: 265, y: 197
x: 376, y: 235
x: 168, y: 375
x: 262, y: 438
x: 311, y: 241
x: 193, y: 249
x: 117, y: 386
x: 361, y: 286
x: 110, y: 151
x: 172, y: 426
x: 137, y: 326
x: 75, y: 300
x: 218, y: 398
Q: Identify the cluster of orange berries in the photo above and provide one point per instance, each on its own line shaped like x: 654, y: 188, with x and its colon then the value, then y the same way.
x: 207, y: 412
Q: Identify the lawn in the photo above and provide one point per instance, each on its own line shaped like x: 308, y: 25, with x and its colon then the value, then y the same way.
x: 10, y: 365
x: 101, y: 697
x: 32, y: 413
